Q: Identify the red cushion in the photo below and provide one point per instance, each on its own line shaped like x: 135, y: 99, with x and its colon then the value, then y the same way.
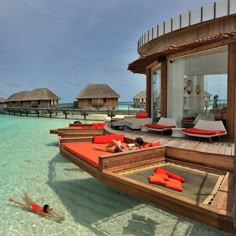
x: 163, y: 176
x: 108, y: 138
x: 174, y: 186
x: 157, y: 126
x: 203, y: 131
x: 160, y: 170
x: 170, y: 174
x: 141, y: 114
x: 156, y: 144
x: 188, y: 119
x: 175, y: 176
x: 86, y: 151
x: 175, y: 181
x: 156, y: 180
x: 98, y: 125
x: 147, y: 145
x: 81, y: 126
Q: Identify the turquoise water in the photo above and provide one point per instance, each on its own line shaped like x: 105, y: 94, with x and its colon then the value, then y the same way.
x: 30, y: 162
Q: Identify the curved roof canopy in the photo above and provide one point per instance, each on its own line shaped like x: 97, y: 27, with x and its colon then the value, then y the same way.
x: 139, y: 65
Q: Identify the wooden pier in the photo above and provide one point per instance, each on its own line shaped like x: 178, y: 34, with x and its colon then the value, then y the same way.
x: 55, y: 112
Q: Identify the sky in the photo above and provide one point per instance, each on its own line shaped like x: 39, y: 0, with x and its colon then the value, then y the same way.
x: 64, y: 45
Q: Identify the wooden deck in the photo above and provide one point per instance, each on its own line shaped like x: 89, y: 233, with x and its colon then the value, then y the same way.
x: 194, y: 144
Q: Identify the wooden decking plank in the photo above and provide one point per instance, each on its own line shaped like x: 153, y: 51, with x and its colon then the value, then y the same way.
x: 212, y: 148
x: 218, y: 147
x: 228, y: 150
x: 193, y: 145
x: 233, y: 149
x: 174, y: 143
x: 203, y: 147
x: 200, y: 147
x: 221, y: 149
x: 224, y: 198
x: 227, y: 183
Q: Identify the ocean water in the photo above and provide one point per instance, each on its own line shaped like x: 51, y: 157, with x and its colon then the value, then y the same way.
x: 30, y: 162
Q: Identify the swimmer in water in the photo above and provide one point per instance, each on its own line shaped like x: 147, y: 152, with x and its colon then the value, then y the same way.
x: 45, y: 210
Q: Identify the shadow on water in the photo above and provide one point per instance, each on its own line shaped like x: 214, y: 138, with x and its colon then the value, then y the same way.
x: 54, y: 144
x: 102, y: 209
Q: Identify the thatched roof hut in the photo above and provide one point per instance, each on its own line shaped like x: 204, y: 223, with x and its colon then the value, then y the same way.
x: 2, y: 100
x: 97, y: 95
x: 41, y: 97
x: 140, y: 99
x: 140, y: 95
x: 17, y: 97
x: 40, y: 94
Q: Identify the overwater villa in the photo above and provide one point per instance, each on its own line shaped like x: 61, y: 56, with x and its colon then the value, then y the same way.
x: 187, y: 61
x: 139, y: 99
x: 2, y: 102
x: 37, y: 98
x: 186, y: 56
x: 97, y: 95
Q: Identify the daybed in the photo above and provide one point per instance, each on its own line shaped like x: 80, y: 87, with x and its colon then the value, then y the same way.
x: 85, y: 149
x: 207, y: 194
x: 140, y: 119
x: 87, y: 126
x: 206, y: 129
x: 79, y: 130
x: 162, y: 125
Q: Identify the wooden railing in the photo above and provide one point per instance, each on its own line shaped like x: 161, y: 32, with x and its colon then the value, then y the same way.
x: 203, y: 14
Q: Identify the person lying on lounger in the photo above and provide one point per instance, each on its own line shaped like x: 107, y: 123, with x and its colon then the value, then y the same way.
x: 45, y: 210
x: 115, y: 146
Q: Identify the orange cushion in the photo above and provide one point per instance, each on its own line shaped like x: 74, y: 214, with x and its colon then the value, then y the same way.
x: 163, y: 176
x: 160, y: 170
x: 86, y: 151
x: 81, y: 126
x: 157, y: 126
x: 174, y: 186
x: 156, y: 180
x: 175, y: 181
x: 98, y: 125
x: 141, y: 114
x: 170, y: 174
x: 203, y: 131
x: 108, y: 138
x: 147, y: 145
x: 156, y: 144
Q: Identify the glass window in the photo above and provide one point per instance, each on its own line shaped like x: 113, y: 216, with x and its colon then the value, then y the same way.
x: 197, y: 87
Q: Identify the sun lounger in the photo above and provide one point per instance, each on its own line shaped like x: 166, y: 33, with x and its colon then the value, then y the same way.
x: 140, y: 119
x: 206, y: 129
x: 162, y: 125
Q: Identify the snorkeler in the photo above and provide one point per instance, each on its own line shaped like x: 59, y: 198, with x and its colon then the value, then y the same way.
x: 45, y: 210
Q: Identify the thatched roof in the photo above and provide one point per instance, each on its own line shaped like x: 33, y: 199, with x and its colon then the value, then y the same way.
x: 36, y: 94
x: 2, y: 100
x: 141, y: 94
x: 97, y: 91
x: 40, y: 94
x: 17, y: 97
